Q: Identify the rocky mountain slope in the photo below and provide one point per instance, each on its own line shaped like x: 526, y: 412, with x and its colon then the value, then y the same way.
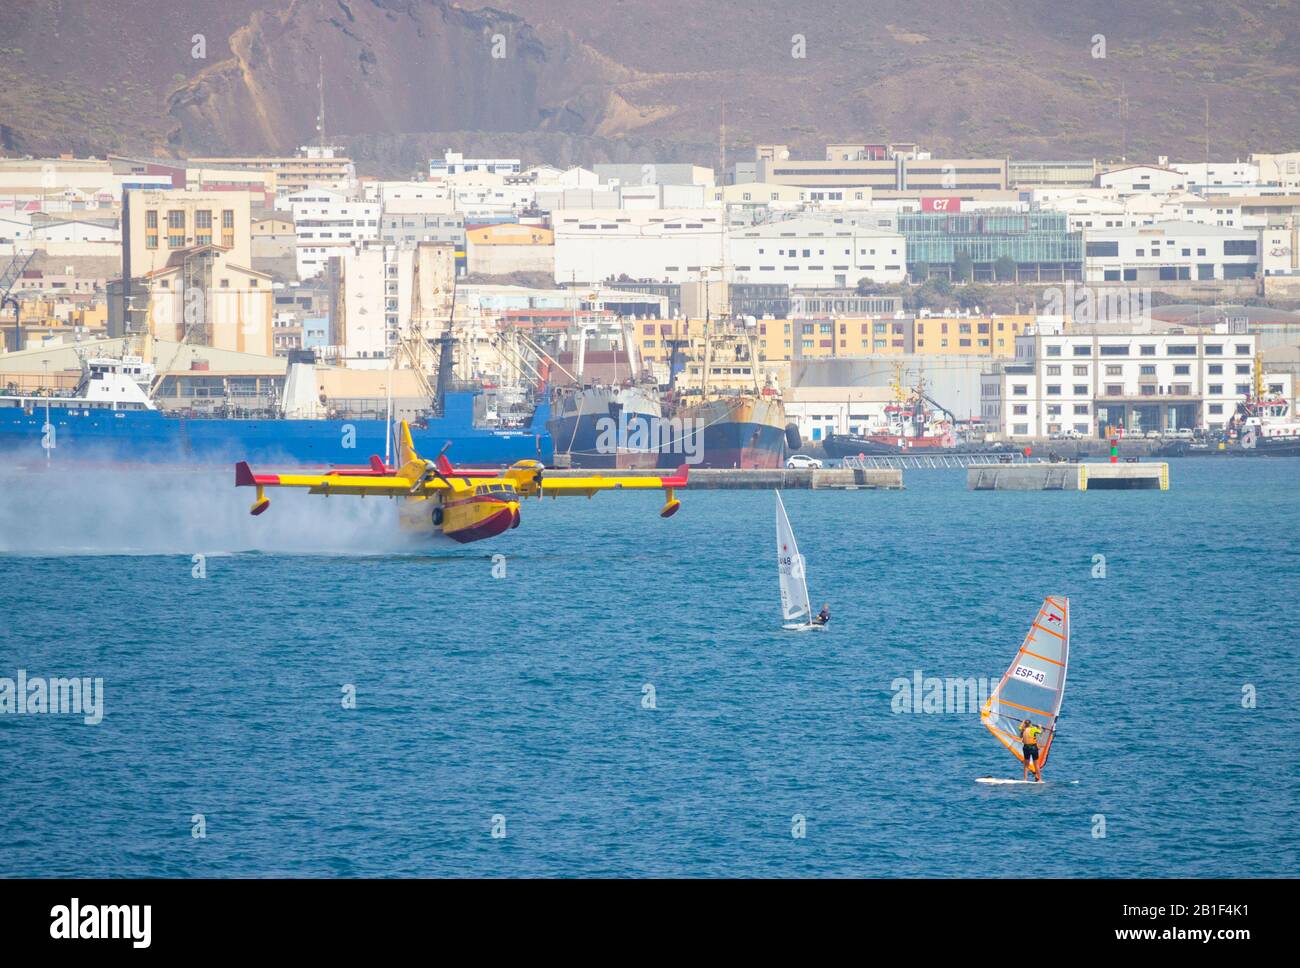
x: 572, y: 79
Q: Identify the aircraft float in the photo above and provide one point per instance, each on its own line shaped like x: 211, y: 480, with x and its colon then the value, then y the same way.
x: 438, y: 500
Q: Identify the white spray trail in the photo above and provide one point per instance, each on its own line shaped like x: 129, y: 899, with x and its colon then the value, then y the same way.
x: 180, y: 511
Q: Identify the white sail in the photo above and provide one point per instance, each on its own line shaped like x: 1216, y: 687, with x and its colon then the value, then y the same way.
x: 794, y: 588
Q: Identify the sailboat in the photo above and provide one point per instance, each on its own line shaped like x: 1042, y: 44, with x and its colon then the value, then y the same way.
x: 796, y: 610
x: 1033, y: 686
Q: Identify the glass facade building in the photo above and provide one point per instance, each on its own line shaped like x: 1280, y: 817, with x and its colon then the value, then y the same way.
x: 1040, y: 243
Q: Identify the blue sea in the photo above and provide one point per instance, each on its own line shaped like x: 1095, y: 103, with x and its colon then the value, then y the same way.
x: 622, y: 701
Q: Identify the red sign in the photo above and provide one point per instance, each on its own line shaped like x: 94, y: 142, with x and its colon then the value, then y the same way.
x: 941, y: 204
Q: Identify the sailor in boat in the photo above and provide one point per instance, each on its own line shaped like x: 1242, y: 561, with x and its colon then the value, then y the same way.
x: 824, y: 616
x: 1029, y: 734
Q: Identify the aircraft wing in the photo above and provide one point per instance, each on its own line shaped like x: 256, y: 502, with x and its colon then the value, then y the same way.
x: 587, y: 486
x: 360, y: 483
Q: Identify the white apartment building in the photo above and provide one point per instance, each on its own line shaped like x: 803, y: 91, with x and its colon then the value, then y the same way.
x: 76, y: 230
x: 548, y: 176
x: 815, y: 253
x: 1105, y: 209
x: 1170, y: 251
x: 1155, y: 179
x: 376, y: 282
x: 326, y: 222
x: 1218, y: 176
x: 654, y: 173
x: 492, y: 202
x: 420, y: 196
x: 624, y: 197
x: 662, y: 245
x: 1280, y: 249
x: 418, y: 212
x: 662, y: 196
x: 1282, y: 169
x: 1221, y: 211
x: 554, y: 199
x: 1099, y: 382
x: 455, y: 163
x: 14, y: 228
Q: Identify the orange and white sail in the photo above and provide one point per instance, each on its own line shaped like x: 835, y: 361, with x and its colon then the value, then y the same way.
x: 1034, y: 685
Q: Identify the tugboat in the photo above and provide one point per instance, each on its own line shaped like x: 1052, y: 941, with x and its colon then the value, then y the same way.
x: 912, y: 422
x: 1261, y: 426
x: 1264, y: 428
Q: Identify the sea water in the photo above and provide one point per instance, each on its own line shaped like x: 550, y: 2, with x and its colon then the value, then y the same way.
x: 603, y: 692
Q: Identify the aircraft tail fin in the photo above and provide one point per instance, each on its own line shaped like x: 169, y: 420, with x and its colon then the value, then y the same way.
x: 405, y: 446
x: 409, y: 463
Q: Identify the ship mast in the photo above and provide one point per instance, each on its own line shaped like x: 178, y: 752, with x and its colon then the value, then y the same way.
x: 580, y: 350
x: 708, y: 343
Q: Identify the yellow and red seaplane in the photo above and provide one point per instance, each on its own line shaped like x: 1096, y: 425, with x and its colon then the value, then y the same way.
x: 436, y: 499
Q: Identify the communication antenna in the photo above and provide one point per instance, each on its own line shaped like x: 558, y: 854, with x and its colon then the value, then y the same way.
x: 1207, y: 139
x: 1123, y: 122
x: 722, y: 147
x: 320, y: 85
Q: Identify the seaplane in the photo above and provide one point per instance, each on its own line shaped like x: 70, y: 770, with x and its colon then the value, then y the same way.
x: 439, y: 501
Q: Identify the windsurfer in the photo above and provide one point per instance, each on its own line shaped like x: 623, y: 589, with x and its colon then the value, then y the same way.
x: 1029, y: 734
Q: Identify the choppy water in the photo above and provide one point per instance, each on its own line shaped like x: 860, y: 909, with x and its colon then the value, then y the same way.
x: 522, y: 697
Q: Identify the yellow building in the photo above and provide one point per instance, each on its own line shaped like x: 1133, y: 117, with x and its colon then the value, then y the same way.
x: 92, y: 318
x: 164, y: 222
x: 953, y: 175
x: 510, y: 247
x: 199, y: 178
x: 52, y: 177
x: 46, y: 319
x: 757, y: 193
x: 992, y: 336
x: 782, y: 340
x: 310, y: 168
x: 203, y: 298
x: 970, y: 336
x: 275, y: 224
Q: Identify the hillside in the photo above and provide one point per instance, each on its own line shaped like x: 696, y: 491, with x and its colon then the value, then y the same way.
x: 620, y: 79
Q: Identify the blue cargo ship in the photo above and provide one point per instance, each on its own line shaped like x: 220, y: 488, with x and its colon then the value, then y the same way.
x: 111, y: 418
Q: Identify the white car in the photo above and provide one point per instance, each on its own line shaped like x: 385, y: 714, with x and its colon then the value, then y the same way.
x: 802, y: 461
x: 1153, y: 435
x: 1068, y: 434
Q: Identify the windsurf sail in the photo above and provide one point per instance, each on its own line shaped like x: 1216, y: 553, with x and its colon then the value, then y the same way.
x: 1034, y: 685
x: 795, y: 606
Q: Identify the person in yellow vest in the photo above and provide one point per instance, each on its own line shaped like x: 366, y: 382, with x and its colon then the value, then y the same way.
x: 1029, y: 734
